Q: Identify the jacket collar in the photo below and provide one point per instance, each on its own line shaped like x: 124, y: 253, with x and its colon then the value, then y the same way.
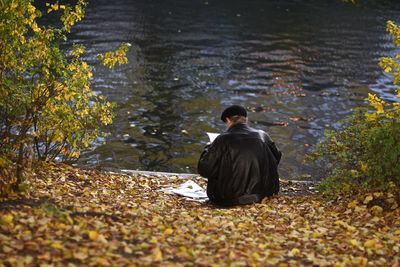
x: 238, y: 127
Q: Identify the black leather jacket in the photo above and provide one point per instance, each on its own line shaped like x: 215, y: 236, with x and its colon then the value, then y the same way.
x: 241, y: 166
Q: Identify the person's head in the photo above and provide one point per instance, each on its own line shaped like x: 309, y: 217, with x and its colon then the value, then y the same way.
x: 233, y: 115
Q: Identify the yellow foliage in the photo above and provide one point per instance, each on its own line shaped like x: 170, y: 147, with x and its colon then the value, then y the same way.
x: 118, y: 57
x: 57, y: 102
x: 365, y: 151
x: 377, y: 103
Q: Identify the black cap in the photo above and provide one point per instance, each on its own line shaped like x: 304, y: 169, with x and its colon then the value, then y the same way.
x: 234, y: 110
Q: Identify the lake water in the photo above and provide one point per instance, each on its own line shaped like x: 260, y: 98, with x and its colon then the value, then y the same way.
x: 298, y: 66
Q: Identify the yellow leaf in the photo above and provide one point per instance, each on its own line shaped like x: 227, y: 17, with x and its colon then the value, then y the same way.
x: 69, y: 219
x: 369, y: 243
x: 102, y: 239
x: 255, y: 255
x: 6, y: 219
x: 368, y: 199
x: 168, y: 231
x: 352, y: 204
x: 93, y: 235
x: 377, y: 103
x: 376, y: 209
x: 81, y: 255
x: 183, y: 253
x: 28, y: 260
x: 57, y: 245
x: 294, y: 252
x: 359, y: 261
x: 371, y: 116
x: 262, y: 246
x: 7, y: 249
x: 364, y: 167
x: 153, y: 240
x: 232, y: 255
x: 102, y: 262
x: 128, y: 250
x: 157, y: 254
x: 354, y: 243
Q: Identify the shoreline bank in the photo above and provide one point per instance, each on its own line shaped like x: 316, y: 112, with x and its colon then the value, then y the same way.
x: 288, y: 187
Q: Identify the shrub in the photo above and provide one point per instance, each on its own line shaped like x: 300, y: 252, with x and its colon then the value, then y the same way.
x: 365, y: 152
x: 47, y: 107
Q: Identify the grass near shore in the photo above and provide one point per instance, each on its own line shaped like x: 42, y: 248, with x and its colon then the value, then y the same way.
x: 73, y: 217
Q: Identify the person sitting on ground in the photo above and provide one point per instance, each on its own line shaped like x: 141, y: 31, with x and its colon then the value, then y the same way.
x: 241, y: 165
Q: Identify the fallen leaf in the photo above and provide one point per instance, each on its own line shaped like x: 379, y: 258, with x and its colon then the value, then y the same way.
x: 93, y: 235
x: 370, y: 243
x: 368, y: 199
x: 157, y: 254
x: 6, y: 219
x: 168, y: 231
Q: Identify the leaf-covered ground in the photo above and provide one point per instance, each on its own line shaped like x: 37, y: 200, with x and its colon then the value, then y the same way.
x: 73, y: 217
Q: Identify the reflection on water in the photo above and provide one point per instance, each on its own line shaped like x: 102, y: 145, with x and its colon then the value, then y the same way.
x: 298, y: 66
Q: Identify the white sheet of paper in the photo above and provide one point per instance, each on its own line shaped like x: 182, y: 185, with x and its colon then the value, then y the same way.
x: 212, y: 136
x: 187, y: 189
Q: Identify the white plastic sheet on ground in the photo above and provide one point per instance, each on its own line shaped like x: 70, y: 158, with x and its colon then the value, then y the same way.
x: 189, y: 190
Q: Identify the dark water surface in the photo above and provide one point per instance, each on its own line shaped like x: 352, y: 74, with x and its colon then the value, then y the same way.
x: 299, y: 67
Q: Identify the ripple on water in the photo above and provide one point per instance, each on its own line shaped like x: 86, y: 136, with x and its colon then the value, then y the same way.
x: 283, y: 60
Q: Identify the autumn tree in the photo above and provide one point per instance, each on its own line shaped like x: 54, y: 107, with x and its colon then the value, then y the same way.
x: 47, y: 106
x: 365, y: 153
